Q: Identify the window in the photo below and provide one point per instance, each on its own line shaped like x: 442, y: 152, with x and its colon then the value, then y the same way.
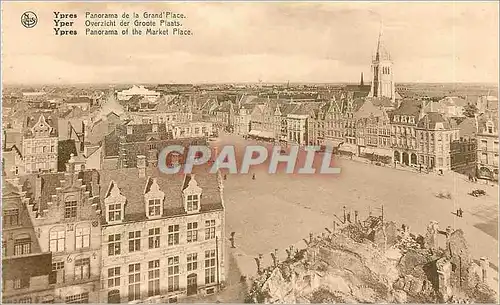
x: 11, y: 218
x: 57, y: 240
x: 154, y: 278
x: 114, y: 277
x: 24, y: 300
x: 134, y: 282
x: 210, y: 229
x: 210, y: 267
x: 57, y: 275
x: 134, y: 241
x: 22, y: 246
x: 4, y: 248
x: 78, y: 298
x: 82, y: 268
x: 70, y: 209
x: 82, y: 237
x: 173, y: 235
x: 173, y: 273
x: 192, y: 261
x: 154, y: 207
x: 192, y: 232
x: 21, y: 283
x: 154, y: 238
x: 115, y: 212
x: 114, y: 244
x: 192, y: 203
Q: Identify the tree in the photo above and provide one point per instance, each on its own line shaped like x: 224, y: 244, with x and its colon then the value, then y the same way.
x: 470, y: 110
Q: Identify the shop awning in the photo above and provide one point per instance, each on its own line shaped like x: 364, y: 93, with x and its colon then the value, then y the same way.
x: 254, y: 133
x: 267, y: 135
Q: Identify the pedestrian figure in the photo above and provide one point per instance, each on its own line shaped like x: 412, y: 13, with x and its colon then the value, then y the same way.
x: 253, y: 177
x: 232, y: 239
x: 225, y: 176
x: 420, y: 168
x: 460, y: 212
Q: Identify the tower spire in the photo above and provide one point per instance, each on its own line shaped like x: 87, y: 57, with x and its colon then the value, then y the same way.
x: 377, y: 56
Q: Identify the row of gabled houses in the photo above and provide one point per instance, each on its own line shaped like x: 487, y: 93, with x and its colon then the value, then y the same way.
x: 129, y: 235
x: 88, y: 218
x: 414, y: 132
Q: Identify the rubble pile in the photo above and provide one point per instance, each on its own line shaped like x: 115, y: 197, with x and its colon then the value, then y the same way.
x: 374, y: 262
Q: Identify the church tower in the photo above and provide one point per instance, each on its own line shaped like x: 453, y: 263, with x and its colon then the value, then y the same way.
x: 382, y: 71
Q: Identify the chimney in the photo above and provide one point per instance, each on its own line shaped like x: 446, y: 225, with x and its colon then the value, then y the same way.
x: 95, y: 183
x: 141, y: 165
x: 70, y: 166
x: 38, y: 187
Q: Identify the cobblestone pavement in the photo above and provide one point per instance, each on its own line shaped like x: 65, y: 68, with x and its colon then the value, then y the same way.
x: 275, y: 211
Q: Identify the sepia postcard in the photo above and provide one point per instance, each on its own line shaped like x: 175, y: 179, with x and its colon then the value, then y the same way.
x: 250, y: 152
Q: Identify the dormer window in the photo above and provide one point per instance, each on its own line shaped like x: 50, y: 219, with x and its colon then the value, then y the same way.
x: 192, y: 203
x: 192, y: 195
x: 115, y: 212
x: 154, y: 207
x: 153, y: 197
x: 115, y: 204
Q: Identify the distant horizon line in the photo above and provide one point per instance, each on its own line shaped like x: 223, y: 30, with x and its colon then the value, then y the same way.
x: 238, y: 83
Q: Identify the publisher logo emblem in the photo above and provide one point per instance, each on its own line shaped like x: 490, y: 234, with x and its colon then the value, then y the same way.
x: 29, y: 19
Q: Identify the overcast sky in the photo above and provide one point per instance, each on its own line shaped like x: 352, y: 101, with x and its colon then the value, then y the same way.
x: 245, y: 42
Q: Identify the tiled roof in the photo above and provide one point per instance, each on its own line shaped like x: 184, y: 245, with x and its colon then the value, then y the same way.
x: 467, y: 128
x: 49, y: 183
x: 358, y: 88
x: 142, y: 132
x: 368, y: 109
x: 431, y: 120
x: 77, y: 100
x: 409, y: 107
x: 382, y: 101
x: 132, y: 187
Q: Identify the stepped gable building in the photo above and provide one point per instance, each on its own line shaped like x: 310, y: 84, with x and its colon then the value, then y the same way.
x: 373, y: 132
x: 65, y: 212
x: 26, y: 268
x: 163, y: 235
x: 40, y: 144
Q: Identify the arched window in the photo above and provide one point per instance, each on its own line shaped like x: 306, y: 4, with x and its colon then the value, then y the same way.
x: 57, y: 239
